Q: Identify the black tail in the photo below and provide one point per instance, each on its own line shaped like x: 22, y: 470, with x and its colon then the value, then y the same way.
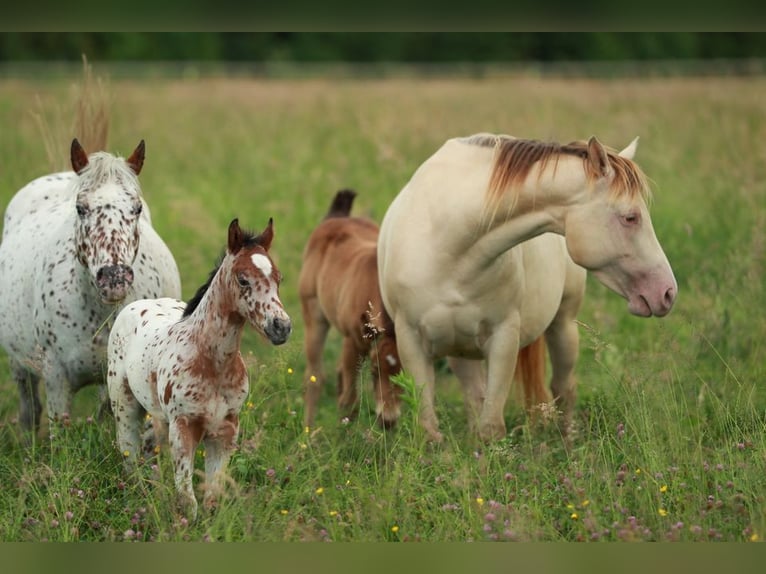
x: 341, y: 205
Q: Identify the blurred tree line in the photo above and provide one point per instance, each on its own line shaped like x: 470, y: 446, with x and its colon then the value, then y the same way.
x: 380, y: 46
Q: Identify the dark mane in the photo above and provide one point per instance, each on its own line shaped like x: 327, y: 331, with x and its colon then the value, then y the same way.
x: 514, y: 159
x: 250, y: 239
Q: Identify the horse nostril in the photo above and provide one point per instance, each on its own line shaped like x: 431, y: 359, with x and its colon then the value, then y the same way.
x: 670, y: 296
x: 114, y: 275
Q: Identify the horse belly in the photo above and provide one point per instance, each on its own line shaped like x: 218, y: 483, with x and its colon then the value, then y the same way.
x: 138, y: 346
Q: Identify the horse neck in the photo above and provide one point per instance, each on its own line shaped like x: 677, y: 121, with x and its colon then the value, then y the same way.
x: 216, y: 320
x: 539, y: 205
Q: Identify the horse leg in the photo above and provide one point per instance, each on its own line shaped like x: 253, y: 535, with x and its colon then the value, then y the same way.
x: 218, y: 451
x: 388, y: 402
x: 473, y: 380
x: 420, y: 367
x: 58, y: 392
x: 563, y: 340
x: 183, y: 438
x: 351, y: 359
x: 30, y: 408
x: 316, y: 327
x: 128, y: 415
x: 501, y: 365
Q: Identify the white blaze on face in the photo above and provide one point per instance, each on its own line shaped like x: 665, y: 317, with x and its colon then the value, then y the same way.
x: 261, y: 262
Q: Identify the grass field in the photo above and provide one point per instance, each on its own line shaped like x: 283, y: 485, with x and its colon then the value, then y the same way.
x: 671, y: 435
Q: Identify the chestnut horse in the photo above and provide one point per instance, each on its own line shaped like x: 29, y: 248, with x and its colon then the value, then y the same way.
x: 338, y: 287
x: 486, y: 247
x: 182, y: 363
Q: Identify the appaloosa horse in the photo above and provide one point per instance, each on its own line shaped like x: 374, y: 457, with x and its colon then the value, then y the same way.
x: 182, y: 363
x: 486, y: 247
x: 76, y: 246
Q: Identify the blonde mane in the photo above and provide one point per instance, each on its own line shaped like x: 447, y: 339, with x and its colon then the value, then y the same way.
x: 514, y: 159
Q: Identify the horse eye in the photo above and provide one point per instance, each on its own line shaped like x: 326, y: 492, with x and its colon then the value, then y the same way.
x: 138, y: 209
x: 242, y: 280
x: 82, y: 210
x: 630, y: 219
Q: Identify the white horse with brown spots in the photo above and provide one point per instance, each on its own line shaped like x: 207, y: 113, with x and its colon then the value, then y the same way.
x: 76, y: 246
x: 182, y: 363
x: 486, y: 248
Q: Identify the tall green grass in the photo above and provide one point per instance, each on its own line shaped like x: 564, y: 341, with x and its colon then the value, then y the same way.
x: 670, y: 413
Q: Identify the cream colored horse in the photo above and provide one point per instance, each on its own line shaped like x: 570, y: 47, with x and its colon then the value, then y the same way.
x: 486, y: 248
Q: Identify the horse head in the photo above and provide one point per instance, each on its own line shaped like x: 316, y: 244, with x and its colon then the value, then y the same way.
x: 610, y: 233
x: 256, y: 282
x: 109, y: 206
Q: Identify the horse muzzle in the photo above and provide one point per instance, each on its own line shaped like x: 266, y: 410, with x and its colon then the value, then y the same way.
x: 278, y: 330
x: 113, y: 282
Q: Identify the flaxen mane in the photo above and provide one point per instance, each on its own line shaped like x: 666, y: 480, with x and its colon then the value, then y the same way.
x: 514, y: 159
x: 249, y: 239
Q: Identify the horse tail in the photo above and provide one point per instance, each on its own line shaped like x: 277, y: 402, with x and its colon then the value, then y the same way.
x: 341, y: 204
x: 530, y: 368
x: 90, y: 125
x: 92, y: 112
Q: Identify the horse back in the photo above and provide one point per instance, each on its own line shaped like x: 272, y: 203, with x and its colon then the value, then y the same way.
x: 340, y: 271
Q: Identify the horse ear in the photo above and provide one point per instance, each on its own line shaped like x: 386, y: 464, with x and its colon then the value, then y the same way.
x: 235, y: 236
x: 136, y: 159
x: 597, y: 157
x: 78, y: 157
x: 267, y: 235
x: 630, y: 151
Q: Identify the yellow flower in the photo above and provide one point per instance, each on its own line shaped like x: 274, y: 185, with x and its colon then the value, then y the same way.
x: 289, y: 370
x: 148, y: 417
x: 126, y: 453
x: 570, y: 506
x: 479, y: 500
x: 663, y: 512
x: 333, y: 513
x: 664, y: 488
x: 754, y: 537
x: 394, y: 529
x: 313, y: 379
x: 283, y: 511
x: 574, y: 516
x: 585, y: 503
x: 319, y: 490
x: 638, y: 471
x: 303, y: 445
x: 306, y: 430
x: 157, y: 449
x: 250, y: 404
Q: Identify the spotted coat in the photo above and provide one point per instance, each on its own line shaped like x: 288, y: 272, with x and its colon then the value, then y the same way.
x: 76, y: 247
x: 182, y: 364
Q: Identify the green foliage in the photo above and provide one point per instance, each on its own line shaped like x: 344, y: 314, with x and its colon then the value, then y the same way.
x: 670, y: 421
x: 379, y: 47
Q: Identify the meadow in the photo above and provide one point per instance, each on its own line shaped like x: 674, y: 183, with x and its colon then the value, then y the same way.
x: 670, y: 440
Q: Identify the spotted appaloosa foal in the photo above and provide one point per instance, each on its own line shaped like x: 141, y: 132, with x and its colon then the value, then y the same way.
x: 182, y: 363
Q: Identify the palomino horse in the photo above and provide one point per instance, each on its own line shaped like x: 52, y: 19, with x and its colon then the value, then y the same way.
x: 338, y: 287
x: 76, y: 246
x: 468, y: 267
x: 182, y: 363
